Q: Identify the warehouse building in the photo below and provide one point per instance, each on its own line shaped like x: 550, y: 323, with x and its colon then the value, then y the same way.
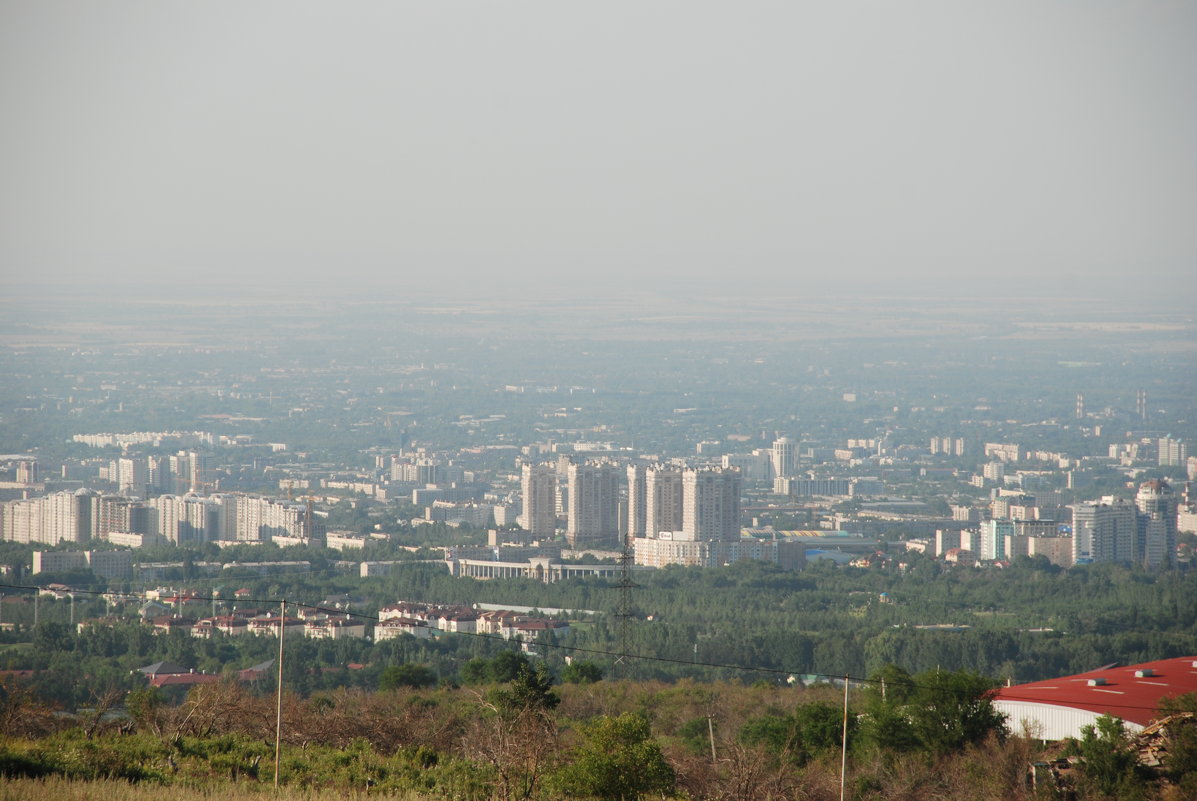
x: 1059, y: 708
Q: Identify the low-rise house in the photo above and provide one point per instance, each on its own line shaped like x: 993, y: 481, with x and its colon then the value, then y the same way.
x: 162, y: 669
x: 408, y: 609
x: 183, y: 600
x: 458, y: 622
x: 268, y: 625
x: 493, y: 622
x: 960, y: 556
x: 394, y: 627
x: 99, y: 622
x: 335, y: 628
x: 152, y: 609
x: 531, y: 630
x: 167, y: 624
x: 342, y: 601
x: 228, y: 625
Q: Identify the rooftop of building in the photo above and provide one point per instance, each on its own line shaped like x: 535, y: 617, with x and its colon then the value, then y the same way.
x: 1131, y: 692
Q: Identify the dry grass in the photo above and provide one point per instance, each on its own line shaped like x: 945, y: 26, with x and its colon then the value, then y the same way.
x: 58, y: 789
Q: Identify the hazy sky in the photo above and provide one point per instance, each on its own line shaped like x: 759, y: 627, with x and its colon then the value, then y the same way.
x: 998, y: 149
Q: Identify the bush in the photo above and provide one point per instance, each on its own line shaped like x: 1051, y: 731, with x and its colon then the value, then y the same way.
x: 618, y: 760
x: 409, y: 675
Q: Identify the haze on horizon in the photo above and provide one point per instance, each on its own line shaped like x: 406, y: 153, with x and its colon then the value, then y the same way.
x: 926, y: 148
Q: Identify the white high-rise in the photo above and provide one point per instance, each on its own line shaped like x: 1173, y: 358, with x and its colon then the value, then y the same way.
x: 1156, y: 540
x: 51, y: 519
x: 664, y: 500
x: 539, y: 487
x: 593, y: 518
x: 711, y: 504
x: 783, y: 458
x: 1104, y: 532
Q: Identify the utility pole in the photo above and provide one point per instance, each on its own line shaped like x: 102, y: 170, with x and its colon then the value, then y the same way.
x: 278, y: 710
x: 844, y: 744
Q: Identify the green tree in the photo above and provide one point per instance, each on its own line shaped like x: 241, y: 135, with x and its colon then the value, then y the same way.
x: 409, y: 675
x: 618, y: 760
x: 1109, y: 763
x: 503, y: 668
x: 581, y: 672
x: 952, y: 710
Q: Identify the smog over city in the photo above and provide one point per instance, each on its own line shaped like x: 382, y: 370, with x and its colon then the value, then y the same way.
x: 546, y: 400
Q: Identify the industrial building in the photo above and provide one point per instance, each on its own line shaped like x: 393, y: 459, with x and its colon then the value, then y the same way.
x: 1059, y: 708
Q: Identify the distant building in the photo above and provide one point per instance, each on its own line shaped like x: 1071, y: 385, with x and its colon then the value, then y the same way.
x: 784, y: 457
x: 994, y: 536
x: 637, y: 507
x: 754, y: 467
x: 711, y: 504
x: 661, y: 552
x: 1003, y: 451
x: 1158, y: 506
x: 51, y: 519
x: 948, y: 446
x: 111, y: 565
x: 593, y: 518
x: 665, y: 500
x: 539, y: 486
x: 1172, y: 452
x: 1104, y: 532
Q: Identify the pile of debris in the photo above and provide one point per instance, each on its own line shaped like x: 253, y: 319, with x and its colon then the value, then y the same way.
x: 1152, y: 743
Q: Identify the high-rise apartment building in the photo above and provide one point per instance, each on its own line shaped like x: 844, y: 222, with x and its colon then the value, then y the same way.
x: 130, y: 475
x: 1104, y: 532
x: 1005, y: 451
x: 593, y: 518
x: 637, y: 501
x: 664, y: 490
x: 994, y: 534
x: 539, y: 487
x: 1158, y: 506
x: 51, y: 519
x: 1172, y: 452
x: 755, y: 466
x: 784, y: 457
x: 711, y: 504
x: 27, y: 472
x: 262, y: 519
x: 948, y: 446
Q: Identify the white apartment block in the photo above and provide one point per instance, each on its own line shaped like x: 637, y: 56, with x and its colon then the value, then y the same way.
x: 539, y: 486
x: 593, y: 504
x: 711, y: 504
x: 51, y: 519
x: 664, y: 500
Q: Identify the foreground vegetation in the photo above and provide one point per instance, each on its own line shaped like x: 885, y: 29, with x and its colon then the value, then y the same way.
x: 929, y: 736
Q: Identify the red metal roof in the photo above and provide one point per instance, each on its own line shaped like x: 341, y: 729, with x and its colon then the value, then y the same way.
x: 1125, y: 695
